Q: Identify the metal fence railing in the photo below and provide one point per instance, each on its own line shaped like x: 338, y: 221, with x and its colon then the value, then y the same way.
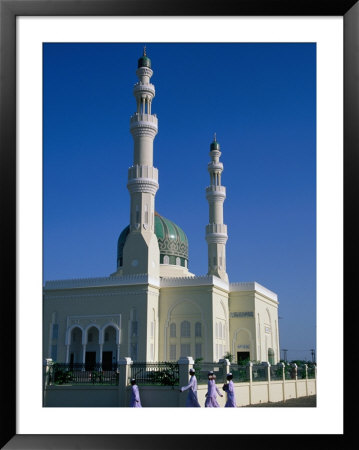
x: 311, y: 372
x: 240, y: 373
x: 276, y: 372
x: 157, y: 373
x: 259, y: 372
x: 78, y: 373
x: 202, y: 369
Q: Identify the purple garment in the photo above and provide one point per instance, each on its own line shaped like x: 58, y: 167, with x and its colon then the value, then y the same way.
x: 211, y: 399
x: 135, y: 397
x: 192, y: 400
x: 231, y: 400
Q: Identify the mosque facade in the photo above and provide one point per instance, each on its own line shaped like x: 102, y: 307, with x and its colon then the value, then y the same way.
x: 152, y: 308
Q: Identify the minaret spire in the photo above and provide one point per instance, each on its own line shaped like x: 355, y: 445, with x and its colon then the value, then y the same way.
x: 141, y: 252
x: 216, y: 230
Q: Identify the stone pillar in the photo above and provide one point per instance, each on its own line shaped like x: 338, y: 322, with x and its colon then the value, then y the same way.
x: 283, y: 379
x: 294, y: 376
x: 306, y: 379
x: 123, y: 380
x: 47, y: 371
x: 185, y: 363
x: 267, y: 366
x: 249, y: 366
x: 226, y: 368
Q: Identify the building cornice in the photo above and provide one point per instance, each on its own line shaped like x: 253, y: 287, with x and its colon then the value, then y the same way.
x: 80, y: 283
x: 253, y: 286
x: 205, y: 280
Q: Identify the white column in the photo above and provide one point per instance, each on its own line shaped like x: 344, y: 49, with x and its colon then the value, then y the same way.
x: 67, y: 353
x: 100, y: 356
x: 118, y: 353
x: 83, y: 353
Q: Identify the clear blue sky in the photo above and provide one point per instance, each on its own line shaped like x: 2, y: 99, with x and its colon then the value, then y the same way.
x: 260, y: 99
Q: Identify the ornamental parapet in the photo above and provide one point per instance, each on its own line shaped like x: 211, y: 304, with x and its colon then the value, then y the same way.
x: 148, y: 172
x: 216, y: 193
x: 143, y: 185
x: 144, y: 72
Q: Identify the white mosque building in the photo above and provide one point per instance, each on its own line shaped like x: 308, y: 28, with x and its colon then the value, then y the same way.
x: 152, y: 308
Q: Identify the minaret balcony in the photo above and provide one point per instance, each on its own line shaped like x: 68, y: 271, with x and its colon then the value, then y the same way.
x: 215, y: 192
x: 144, y: 125
x: 215, y: 166
x: 143, y: 179
x: 142, y: 90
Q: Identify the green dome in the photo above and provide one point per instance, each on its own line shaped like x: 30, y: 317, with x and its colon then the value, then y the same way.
x: 215, y: 145
x: 172, y: 242
x: 144, y: 61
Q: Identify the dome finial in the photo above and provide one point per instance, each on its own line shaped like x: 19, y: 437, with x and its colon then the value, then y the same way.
x: 215, y: 144
x: 144, y: 50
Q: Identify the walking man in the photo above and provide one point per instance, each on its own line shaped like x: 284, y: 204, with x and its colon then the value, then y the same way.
x: 211, y: 396
x: 135, y: 395
x: 229, y: 388
x: 192, y: 400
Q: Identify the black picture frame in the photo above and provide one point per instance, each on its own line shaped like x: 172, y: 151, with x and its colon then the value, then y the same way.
x: 9, y: 10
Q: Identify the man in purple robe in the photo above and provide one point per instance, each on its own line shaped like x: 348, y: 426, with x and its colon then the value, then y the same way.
x: 135, y: 395
x: 211, y: 397
x: 229, y: 388
x: 192, y: 400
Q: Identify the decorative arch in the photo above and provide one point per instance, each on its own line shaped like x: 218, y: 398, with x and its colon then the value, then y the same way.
x: 69, y: 332
x: 85, y: 335
x: 235, y: 336
x: 197, y: 308
x: 103, y: 329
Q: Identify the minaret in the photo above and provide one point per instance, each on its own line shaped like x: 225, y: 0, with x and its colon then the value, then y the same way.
x: 216, y: 230
x: 141, y: 252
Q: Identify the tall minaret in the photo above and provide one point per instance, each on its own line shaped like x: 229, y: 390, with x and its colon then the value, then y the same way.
x: 141, y: 251
x: 216, y: 230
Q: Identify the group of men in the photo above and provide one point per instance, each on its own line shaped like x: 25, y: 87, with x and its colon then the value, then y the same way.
x: 192, y: 398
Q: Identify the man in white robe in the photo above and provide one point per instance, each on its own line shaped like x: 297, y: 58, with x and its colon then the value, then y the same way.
x: 192, y: 400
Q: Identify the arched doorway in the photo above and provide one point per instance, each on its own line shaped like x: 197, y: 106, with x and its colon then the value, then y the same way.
x: 92, y: 348
x: 109, y: 349
x: 75, y: 351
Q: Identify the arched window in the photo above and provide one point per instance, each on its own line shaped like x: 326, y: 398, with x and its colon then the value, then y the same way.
x: 178, y: 261
x: 198, y: 329
x: 270, y: 356
x: 173, y: 330
x: 166, y: 259
x: 185, y: 329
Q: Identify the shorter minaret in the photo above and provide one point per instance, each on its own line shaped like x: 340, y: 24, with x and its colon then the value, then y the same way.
x: 216, y: 230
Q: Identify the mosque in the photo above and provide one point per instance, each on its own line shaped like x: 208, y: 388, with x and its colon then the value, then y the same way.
x: 152, y: 308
